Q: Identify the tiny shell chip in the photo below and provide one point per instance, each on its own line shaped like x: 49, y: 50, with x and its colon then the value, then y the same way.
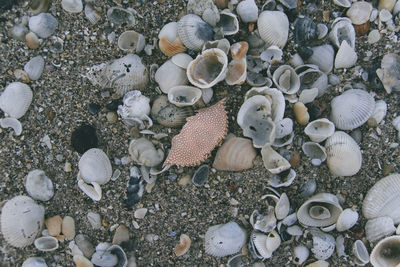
x: 43, y: 24
x: 34, y: 67
x: 21, y: 220
x: 39, y: 186
x: 224, y: 239
x: 183, y: 246
x: 15, y: 99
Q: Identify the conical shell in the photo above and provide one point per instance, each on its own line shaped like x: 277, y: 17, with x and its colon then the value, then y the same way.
x: 43, y: 24
x: 347, y: 219
x: 351, y: 109
x: 286, y: 79
x: 235, y: 154
x: 34, y: 67
x: 273, y: 161
x: 21, y: 220
x: 377, y: 228
x: 170, y: 43
x: 323, y: 202
x: 228, y: 22
x: 360, y: 252
x: 273, y: 27
x: 194, y: 32
x: 15, y: 99
x: 343, y: 154
x: 95, y: 166
x: 386, y: 252
x: 319, y: 130
x: 383, y: 199
x: 46, y: 243
x: 237, y: 72
x: 346, y: 57
x: 183, y: 95
x: 131, y: 41
x: 169, y: 75
x: 224, y: 239
x: 342, y: 30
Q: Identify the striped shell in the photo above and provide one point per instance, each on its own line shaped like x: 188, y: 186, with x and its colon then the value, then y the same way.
x: 343, y: 154
x: 170, y: 43
x: 15, y: 99
x: 194, y: 32
x: 383, y: 199
x: 273, y: 27
x: 183, y: 95
x: 376, y: 229
x: 352, y: 109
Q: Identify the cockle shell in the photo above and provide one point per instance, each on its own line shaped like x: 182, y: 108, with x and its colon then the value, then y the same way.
x: 43, y: 24
x: 342, y: 30
x: 208, y: 69
x: 21, y: 220
x: 343, y: 154
x: 346, y: 57
x: 39, y: 186
x: 15, y: 99
x: 170, y: 43
x: 361, y: 253
x: 34, y: 67
x: 169, y: 115
x: 323, y: 57
x: 235, y: 154
x: 273, y: 161
x: 169, y: 75
x: 319, y: 130
x: 273, y: 27
x: 46, y: 243
x: 228, y: 22
x: 286, y: 79
x: 265, y: 244
x: 247, y: 11
x: 320, y: 210
x: 183, y: 95
x: 383, y: 199
x: 194, y: 32
x: 34, y: 262
x: 347, y: 219
x: 237, y: 71
x: 131, y: 41
x: 72, y: 6
x: 389, y: 72
x: 351, y: 109
x: 377, y: 228
x: 386, y: 252
x: 143, y: 152
x: 224, y: 239
x: 94, y: 166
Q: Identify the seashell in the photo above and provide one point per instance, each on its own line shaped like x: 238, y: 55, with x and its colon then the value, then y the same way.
x: 83, y: 243
x: 21, y: 220
x: 131, y: 41
x: 235, y: 154
x: 169, y: 75
x: 167, y: 114
x: 32, y: 41
x: 272, y: 55
x: 236, y: 73
x: 343, y: 154
x: 224, y: 239
x: 386, y: 252
x: 121, y: 235
x: 34, y: 262
x: 396, y: 8
x: 342, y: 3
x: 376, y: 229
x: 183, y: 246
x: 296, y: 60
x: 93, y: 191
x: 183, y: 95
x: 143, y: 152
x: 68, y: 227
x: 236, y: 261
x: 308, y: 95
x: 361, y: 253
x: 257, y: 79
x: 53, y: 225
x: 301, y: 113
x: 200, y: 176
x: 182, y: 60
x: 286, y: 79
x: 359, y: 12
x: 347, y: 219
x: 273, y: 27
x: 94, y: 166
x: 46, y: 243
x: 34, y: 67
x: 378, y: 114
x: 300, y: 254
x: 239, y: 49
x: 39, y: 186
x: 170, y: 43
x: 382, y: 199
x: 107, y: 255
x: 43, y: 24
x: 322, y: 30
x: 264, y: 223
x: 265, y: 245
x: 81, y: 261
x: 346, y: 57
x: 351, y: 109
x: 118, y: 16
x: 135, y: 109
x: 323, y: 245
x: 208, y: 69
x: 39, y: 6
x: 319, y: 130
x: 273, y: 161
x: 228, y: 22
x: 12, y: 123
x: 308, y: 189
x: 91, y: 14
x: 206, y: 95
x: 305, y: 30
x: 284, y: 128
x: 247, y: 11
x: 72, y: 6
x: 315, y: 152
x: 389, y: 72
x: 342, y: 30
x: 321, y: 210
x: 387, y: 4
x: 282, y: 207
x: 289, y: 3
x: 94, y: 220
x: 206, y: 9
x: 222, y: 44
x: 15, y: 99
x: 323, y: 57
x: 319, y: 263
x: 140, y: 213
x: 311, y: 77
x: 194, y: 32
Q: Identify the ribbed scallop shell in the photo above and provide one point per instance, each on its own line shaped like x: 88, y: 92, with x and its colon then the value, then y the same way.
x: 194, y: 32
x: 383, y: 199
x: 224, y: 239
x: 319, y: 130
x: 377, y: 228
x: 183, y: 95
x: 352, y: 109
x: 343, y: 154
x: 21, y: 220
x: 273, y: 27
x: 72, y: 6
x: 95, y: 166
x: 15, y: 99
x: 386, y: 252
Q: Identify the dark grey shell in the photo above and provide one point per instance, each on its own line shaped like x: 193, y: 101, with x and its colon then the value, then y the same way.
x: 305, y: 30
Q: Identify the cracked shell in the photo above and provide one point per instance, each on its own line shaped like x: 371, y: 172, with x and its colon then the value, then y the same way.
x: 16, y: 99
x: 95, y: 166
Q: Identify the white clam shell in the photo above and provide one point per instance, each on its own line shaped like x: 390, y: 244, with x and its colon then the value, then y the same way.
x: 21, y: 221
x: 34, y: 67
x: 15, y: 99
x: 343, y: 154
x: 143, y: 152
x: 39, y: 186
x: 300, y: 254
x: 319, y: 130
x: 361, y: 253
x: 347, y: 219
x: 208, y: 69
x: 247, y: 11
x: 224, y: 239
x: 228, y: 22
x: 72, y: 6
x: 323, y: 56
x: 342, y: 30
x: 183, y: 95
x: 46, y: 243
x: 314, y: 151
x: 376, y: 229
x: 359, y: 12
x: 286, y: 79
x: 43, y: 24
x: 34, y: 262
x: 323, y: 245
x: 383, y: 199
x: 283, y: 128
x: 346, y: 57
x: 273, y: 27
x: 351, y: 109
x: 378, y: 114
x: 273, y: 161
x: 182, y: 60
x: 282, y: 207
x: 169, y: 75
x: 323, y: 202
x: 237, y: 72
x: 308, y: 95
x: 194, y: 32
x: 131, y: 41
x: 95, y: 166
x: 385, y: 253
x: 12, y: 123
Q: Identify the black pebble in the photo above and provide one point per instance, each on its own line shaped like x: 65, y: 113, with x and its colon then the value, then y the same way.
x: 84, y: 138
x: 94, y: 108
x: 305, y: 52
x: 113, y: 106
x: 314, y: 111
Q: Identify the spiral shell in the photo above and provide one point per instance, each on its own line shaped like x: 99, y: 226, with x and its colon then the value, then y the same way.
x: 15, y: 99
x: 273, y: 27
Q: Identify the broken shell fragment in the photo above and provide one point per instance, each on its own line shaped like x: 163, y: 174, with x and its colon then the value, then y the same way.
x: 236, y: 72
x: 361, y: 253
x: 12, y: 123
x: 16, y: 99
x: 95, y: 166
x: 93, y: 190
x: 143, y: 152
x: 301, y: 113
x: 311, y: 77
x: 282, y: 207
x: 323, y: 245
x: 273, y: 27
x: 34, y: 262
x: 378, y: 114
x: 131, y: 42
x: 376, y: 229
x: 222, y: 44
x: 286, y: 79
x: 46, y: 243
x: 346, y: 57
x: 228, y: 22
x: 135, y: 109
x: 300, y: 254
x: 183, y: 95
x: 170, y: 43
x: 284, y: 178
x: 91, y: 14
x: 201, y: 175
x: 264, y: 244
x: 342, y: 30
x: 315, y: 152
x: 342, y: 3
x: 239, y: 50
x: 39, y: 6
x: 183, y: 246
x: 273, y: 161
x: 389, y: 72
x: 39, y: 186
x: 386, y: 252
x: 319, y: 130
x: 118, y: 16
x: 194, y: 32
x: 53, y: 225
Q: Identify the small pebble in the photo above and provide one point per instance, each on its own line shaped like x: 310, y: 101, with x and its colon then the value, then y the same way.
x: 140, y: 213
x: 308, y: 189
x: 151, y: 238
x: 68, y: 227
x: 374, y: 36
x: 94, y: 108
x: 94, y: 220
x: 184, y: 180
x: 111, y: 117
x: 84, y: 138
x: 67, y: 167
x: 115, y: 175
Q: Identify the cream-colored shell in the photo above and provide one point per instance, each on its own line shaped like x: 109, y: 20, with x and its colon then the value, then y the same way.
x: 39, y: 186
x: 15, y: 99
x: 273, y: 27
x: 273, y: 161
x: 320, y: 129
x: 385, y: 253
x: 169, y: 75
x: 95, y: 166
x: 170, y: 43
x: 182, y: 60
x: 237, y: 71
x: 143, y: 152
x: 21, y: 221
x: 183, y: 95
x: 194, y: 32
x: 286, y: 79
x: 361, y: 253
x: 131, y: 41
x: 347, y: 219
x: 377, y: 228
x: 346, y: 56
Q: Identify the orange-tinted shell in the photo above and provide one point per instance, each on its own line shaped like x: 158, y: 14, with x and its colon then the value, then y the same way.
x: 171, y: 48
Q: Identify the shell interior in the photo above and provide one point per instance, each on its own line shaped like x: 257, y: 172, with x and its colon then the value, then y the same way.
x: 386, y: 252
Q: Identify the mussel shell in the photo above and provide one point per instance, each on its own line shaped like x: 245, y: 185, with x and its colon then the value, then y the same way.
x: 305, y: 30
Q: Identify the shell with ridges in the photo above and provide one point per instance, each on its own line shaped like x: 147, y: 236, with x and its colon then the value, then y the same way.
x: 95, y: 166
x: 377, y: 228
x: 273, y: 27
x: 72, y: 6
x: 34, y: 67
x: 91, y: 14
x: 15, y: 99
x: 167, y: 114
x: 320, y: 129
x: 311, y: 77
x: 386, y: 252
x: 34, y: 262
x: 194, y: 32
x: 359, y: 12
x: 170, y: 43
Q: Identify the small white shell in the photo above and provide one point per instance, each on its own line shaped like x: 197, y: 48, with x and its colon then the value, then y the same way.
x: 39, y: 186
x: 224, y: 239
x: 169, y: 75
x: 342, y: 3
x: 286, y: 79
x: 237, y: 71
x: 228, y: 22
x: 361, y: 253
x: 319, y: 130
x: 183, y: 95
x: 135, y: 109
x: 72, y: 6
x: 34, y: 262
x: 194, y: 32
x: 247, y: 11
x: 182, y: 60
x: 346, y: 57
x: 21, y: 220
x: 283, y: 128
x: 359, y: 12
x: 342, y: 30
x: 323, y: 56
x: 319, y: 263
x: 377, y: 228
x: 131, y: 41
x: 95, y: 166
x: 15, y: 99
x: 143, y: 152
x: 46, y: 243
x: 351, y: 109
x: 282, y: 207
x: 308, y: 95
x: 323, y: 245
x: 273, y: 27
x: 386, y: 252
x: 273, y: 161
x: 12, y: 123
x: 93, y: 191
x: 278, y: 181
x: 34, y: 67
x: 300, y: 254
x: 347, y: 219
x: 314, y: 151
x: 378, y: 114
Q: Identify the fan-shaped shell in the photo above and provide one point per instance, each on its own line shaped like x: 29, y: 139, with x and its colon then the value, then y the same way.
x: 228, y: 22
x: 237, y: 71
x: 386, y: 252
x: 15, y: 99
x: 170, y: 43
x: 235, y: 154
x: 273, y: 27
x: 321, y: 210
x: 21, y: 220
x: 352, y: 109
x: 346, y: 57
x: 383, y: 199
x: 94, y: 166
x: 167, y: 114
x: 343, y: 154
x: 194, y: 32
x: 319, y: 130
x: 286, y: 79
x: 131, y: 41
x: 169, y: 75
x: 265, y: 244
x: 272, y: 54
x: 224, y: 239
x: 273, y: 161
x: 377, y: 228
x: 183, y: 95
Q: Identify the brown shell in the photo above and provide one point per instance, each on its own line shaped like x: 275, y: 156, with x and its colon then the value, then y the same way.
x: 236, y: 154
x: 171, y: 48
x: 199, y: 136
x: 362, y: 28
